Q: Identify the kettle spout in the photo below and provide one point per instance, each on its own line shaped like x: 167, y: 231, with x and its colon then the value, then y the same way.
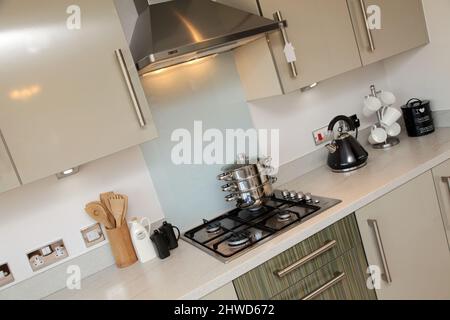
x: 332, y: 148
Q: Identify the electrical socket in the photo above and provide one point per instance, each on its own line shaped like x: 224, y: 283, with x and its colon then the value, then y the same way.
x: 47, y: 255
x: 6, y: 276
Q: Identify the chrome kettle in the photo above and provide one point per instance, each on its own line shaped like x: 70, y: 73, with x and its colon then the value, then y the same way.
x: 345, y: 152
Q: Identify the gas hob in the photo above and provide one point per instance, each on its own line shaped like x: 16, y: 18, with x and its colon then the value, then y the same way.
x: 239, y: 231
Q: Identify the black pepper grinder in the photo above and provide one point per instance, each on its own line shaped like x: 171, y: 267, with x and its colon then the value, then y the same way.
x: 161, y: 245
x: 168, y: 230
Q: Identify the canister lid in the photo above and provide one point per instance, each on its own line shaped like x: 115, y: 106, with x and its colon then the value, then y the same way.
x: 416, y: 103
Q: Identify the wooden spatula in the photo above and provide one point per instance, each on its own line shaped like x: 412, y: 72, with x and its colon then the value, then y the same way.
x: 97, y: 212
x: 104, y: 198
x: 117, y: 204
x: 125, y: 211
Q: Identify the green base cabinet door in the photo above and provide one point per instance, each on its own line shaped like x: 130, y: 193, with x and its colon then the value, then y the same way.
x: 343, y: 279
x: 329, y: 265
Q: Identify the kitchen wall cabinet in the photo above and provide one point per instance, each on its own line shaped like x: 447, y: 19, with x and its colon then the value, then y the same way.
x: 403, y: 27
x: 333, y: 267
x: 64, y: 100
x: 441, y: 176
x: 330, y: 37
x: 403, y: 234
x: 322, y: 34
x: 8, y: 177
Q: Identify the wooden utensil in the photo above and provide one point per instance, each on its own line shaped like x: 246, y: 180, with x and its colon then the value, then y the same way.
x: 117, y: 204
x: 98, y: 212
x: 104, y: 198
x: 125, y: 211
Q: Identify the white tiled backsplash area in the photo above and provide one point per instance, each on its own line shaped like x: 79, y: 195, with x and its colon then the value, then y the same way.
x: 49, y: 210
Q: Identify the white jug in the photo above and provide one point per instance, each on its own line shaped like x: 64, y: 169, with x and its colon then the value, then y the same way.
x: 140, y: 235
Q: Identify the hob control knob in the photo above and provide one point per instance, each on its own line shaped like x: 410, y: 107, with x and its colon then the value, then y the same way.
x: 286, y: 194
x: 293, y: 195
x: 300, y: 196
x: 308, y: 197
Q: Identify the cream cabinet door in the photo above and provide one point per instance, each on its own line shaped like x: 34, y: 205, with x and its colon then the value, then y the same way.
x: 321, y: 32
x: 8, y: 176
x: 64, y: 100
x: 403, y: 27
x: 441, y: 176
x: 404, y: 230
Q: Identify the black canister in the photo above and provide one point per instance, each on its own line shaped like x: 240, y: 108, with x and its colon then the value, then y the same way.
x: 161, y: 244
x: 168, y: 230
x: 418, y: 118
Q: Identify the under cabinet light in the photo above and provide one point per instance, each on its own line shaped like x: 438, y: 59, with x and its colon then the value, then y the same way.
x: 68, y: 173
x: 311, y: 86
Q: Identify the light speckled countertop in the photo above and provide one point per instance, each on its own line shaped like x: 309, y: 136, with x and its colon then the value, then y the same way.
x: 191, y: 274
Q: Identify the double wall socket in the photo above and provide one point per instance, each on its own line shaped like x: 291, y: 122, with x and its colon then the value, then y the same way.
x: 6, y: 276
x: 47, y: 255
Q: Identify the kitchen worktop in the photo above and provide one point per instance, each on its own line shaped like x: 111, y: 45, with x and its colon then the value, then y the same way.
x: 191, y: 274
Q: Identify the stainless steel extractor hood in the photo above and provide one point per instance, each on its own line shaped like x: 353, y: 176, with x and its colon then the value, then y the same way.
x: 178, y: 31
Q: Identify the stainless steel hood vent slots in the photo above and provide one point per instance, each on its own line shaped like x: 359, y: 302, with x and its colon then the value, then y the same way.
x: 178, y: 31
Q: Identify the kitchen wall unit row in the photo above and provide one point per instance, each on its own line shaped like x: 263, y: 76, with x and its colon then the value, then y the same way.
x: 330, y: 38
x: 403, y: 234
x: 403, y: 27
x: 442, y: 181
x: 330, y: 265
x: 67, y: 95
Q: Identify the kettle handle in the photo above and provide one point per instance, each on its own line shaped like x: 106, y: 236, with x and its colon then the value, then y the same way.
x: 346, y: 119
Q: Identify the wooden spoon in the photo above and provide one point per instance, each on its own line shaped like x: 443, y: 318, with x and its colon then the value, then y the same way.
x: 97, y: 212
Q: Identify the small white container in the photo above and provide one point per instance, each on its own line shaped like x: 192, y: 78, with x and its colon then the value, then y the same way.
x: 140, y: 236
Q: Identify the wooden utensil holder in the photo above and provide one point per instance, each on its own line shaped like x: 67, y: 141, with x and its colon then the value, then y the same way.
x: 122, y: 246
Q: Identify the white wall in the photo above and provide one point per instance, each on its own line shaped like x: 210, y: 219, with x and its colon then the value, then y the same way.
x: 48, y: 210
x: 298, y: 114
x: 425, y: 72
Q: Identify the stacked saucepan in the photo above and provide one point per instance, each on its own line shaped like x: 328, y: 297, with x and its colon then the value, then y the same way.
x: 248, y: 184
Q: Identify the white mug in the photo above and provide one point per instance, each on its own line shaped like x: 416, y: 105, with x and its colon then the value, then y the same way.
x: 394, y: 130
x: 378, y: 135
x: 390, y: 116
x: 371, y: 106
x: 387, y: 98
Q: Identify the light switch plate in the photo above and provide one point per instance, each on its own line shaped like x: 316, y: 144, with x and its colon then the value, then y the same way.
x: 6, y: 276
x: 93, y: 235
x: 47, y: 255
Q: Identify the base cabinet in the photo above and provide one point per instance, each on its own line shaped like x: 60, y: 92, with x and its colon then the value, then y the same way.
x: 441, y: 176
x: 227, y: 292
x: 403, y: 235
x: 330, y: 265
x: 342, y: 279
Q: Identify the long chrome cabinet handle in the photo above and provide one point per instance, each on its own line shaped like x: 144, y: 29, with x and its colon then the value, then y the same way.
x: 387, y: 273
x: 366, y: 21
x: 337, y: 279
x: 279, y: 17
x: 327, y: 247
x: 446, y: 180
x: 126, y: 75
